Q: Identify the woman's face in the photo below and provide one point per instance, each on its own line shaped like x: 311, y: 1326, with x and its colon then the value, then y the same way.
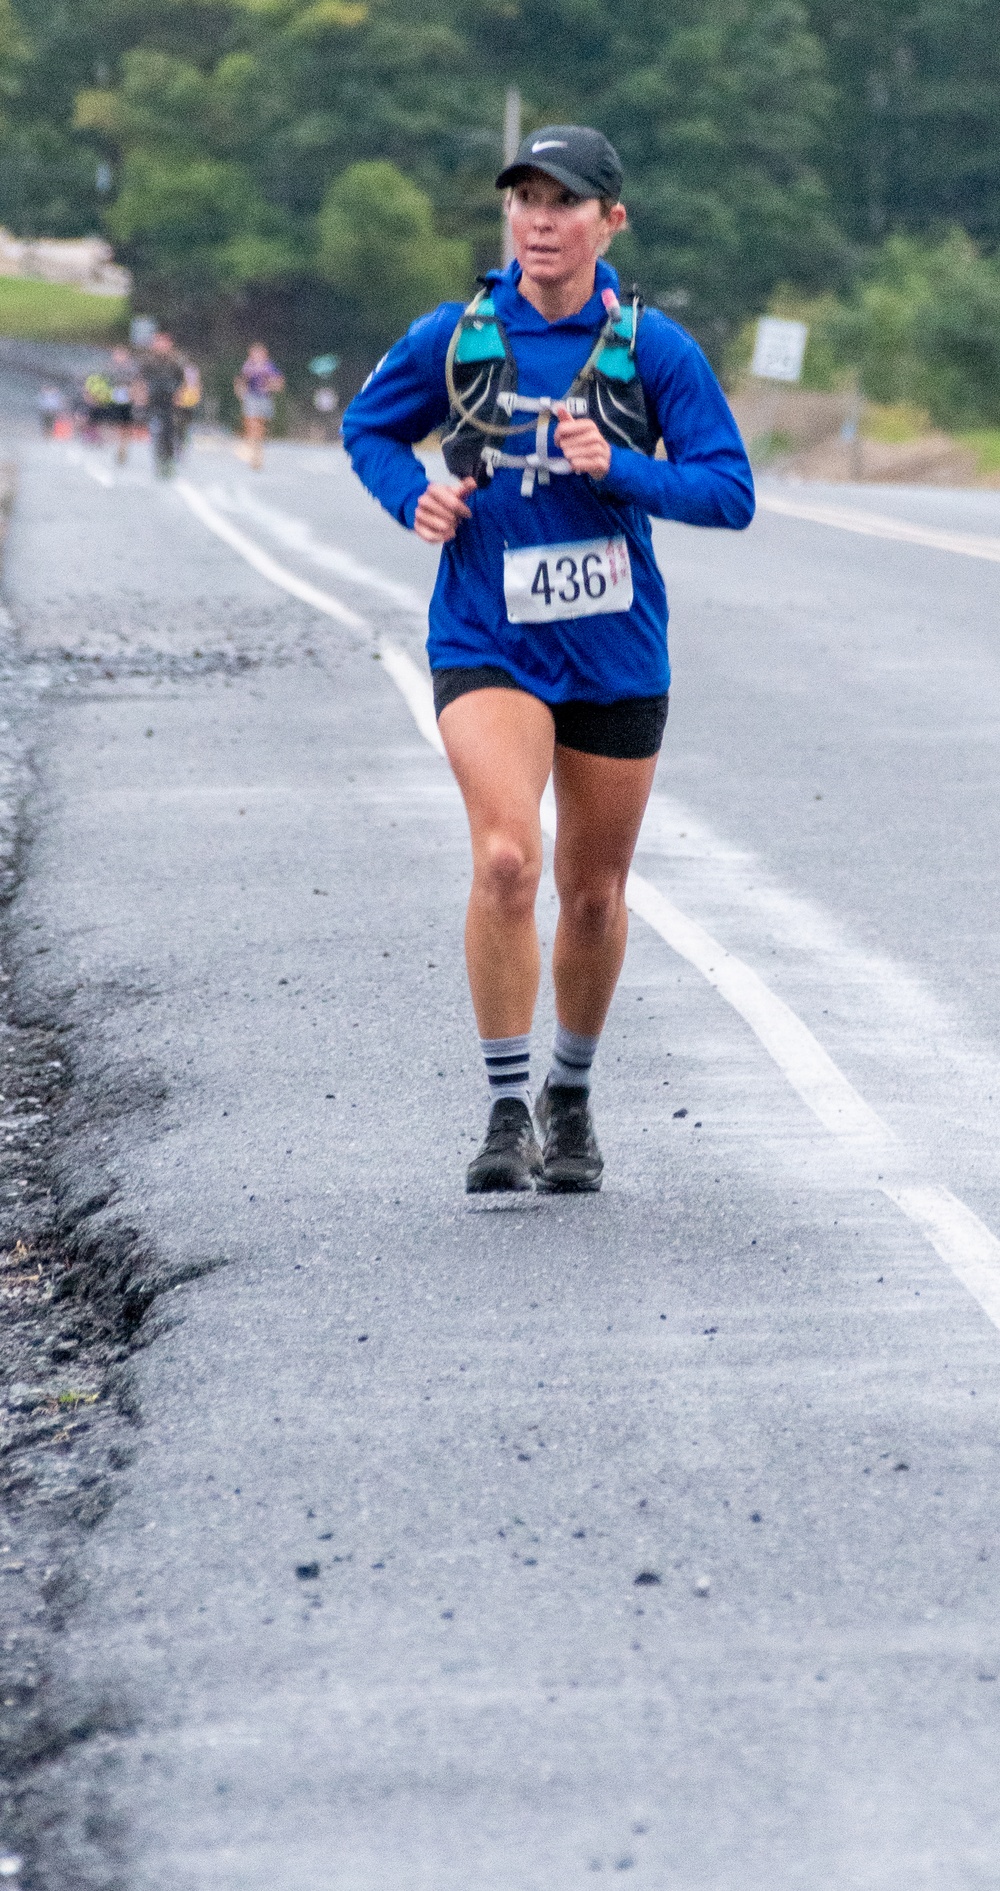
x: 555, y: 235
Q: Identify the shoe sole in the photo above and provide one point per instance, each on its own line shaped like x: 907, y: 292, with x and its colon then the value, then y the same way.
x: 500, y: 1181
x: 551, y: 1184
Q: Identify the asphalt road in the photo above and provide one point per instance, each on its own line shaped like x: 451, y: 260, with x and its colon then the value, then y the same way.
x: 368, y: 1596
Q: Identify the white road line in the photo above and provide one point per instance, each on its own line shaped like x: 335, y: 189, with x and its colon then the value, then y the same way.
x: 262, y: 562
x: 798, y: 1055
x: 415, y: 691
x: 963, y: 1242
x: 879, y: 525
x: 299, y: 537
x: 961, y: 1239
x: 77, y: 457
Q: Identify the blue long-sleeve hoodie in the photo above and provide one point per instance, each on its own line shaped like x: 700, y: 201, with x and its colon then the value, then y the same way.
x: 706, y: 480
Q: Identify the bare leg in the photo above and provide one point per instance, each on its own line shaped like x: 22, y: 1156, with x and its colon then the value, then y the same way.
x: 600, y: 802
x: 499, y: 743
x: 254, y: 431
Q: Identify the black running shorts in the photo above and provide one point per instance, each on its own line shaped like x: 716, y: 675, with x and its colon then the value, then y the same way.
x: 628, y: 731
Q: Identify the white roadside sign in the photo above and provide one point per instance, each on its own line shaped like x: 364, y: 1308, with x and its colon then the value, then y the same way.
x: 779, y: 350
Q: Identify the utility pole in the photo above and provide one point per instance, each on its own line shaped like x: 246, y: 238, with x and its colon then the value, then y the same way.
x: 511, y: 140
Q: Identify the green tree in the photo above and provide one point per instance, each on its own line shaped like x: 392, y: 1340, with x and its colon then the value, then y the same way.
x: 225, y: 138
x: 11, y: 46
x: 913, y: 141
x: 48, y: 179
x: 189, y: 213
x: 923, y: 328
x: 716, y: 107
x: 379, y: 248
x: 766, y: 142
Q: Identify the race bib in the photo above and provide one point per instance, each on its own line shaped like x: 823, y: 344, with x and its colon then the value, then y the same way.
x: 543, y: 583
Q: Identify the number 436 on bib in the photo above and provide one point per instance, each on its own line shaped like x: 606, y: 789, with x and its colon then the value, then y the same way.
x: 586, y: 578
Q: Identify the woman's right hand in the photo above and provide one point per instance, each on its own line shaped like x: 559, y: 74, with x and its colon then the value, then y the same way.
x: 440, y: 511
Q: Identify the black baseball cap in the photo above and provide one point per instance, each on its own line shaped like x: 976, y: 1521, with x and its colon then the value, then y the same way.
x: 575, y: 155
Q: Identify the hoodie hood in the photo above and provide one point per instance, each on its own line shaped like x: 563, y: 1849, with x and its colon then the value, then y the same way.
x: 521, y: 317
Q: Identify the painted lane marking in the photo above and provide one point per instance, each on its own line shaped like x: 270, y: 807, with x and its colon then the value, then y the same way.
x: 416, y: 692
x: 77, y: 457
x: 299, y: 537
x: 262, y: 562
x: 962, y: 1240
x: 879, y: 525
x: 964, y: 1243
x: 798, y: 1054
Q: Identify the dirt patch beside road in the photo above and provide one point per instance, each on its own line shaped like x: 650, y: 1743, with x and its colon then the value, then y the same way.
x: 813, y: 436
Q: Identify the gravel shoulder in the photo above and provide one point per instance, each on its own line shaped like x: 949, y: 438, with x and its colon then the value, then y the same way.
x: 64, y: 1413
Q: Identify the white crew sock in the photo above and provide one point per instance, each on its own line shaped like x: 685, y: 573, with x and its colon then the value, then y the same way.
x: 572, y: 1056
x: 507, y: 1067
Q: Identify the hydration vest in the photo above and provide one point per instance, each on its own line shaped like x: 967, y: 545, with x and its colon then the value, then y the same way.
x: 482, y: 385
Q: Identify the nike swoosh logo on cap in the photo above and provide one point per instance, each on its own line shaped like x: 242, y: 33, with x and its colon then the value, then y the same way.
x: 550, y: 144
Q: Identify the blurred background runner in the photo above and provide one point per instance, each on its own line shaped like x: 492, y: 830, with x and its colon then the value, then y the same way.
x: 255, y: 386
x: 161, y: 373
x: 51, y: 402
x: 187, y: 402
x: 97, y: 404
x: 122, y: 376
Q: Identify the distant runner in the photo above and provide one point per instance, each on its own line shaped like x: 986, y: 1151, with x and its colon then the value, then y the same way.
x: 51, y: 404
x: 187, y: 402
x: 548, y: 623
x: 256, y: 385
x: 162, y: 377
x: 122, y: 376
x: 97, y: 404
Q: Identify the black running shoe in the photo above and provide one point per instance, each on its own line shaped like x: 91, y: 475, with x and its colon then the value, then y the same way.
x: 510, y: 1157
x: 572, y: 1161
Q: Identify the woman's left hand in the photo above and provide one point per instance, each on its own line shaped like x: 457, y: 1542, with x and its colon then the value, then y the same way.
x: 583, y: 444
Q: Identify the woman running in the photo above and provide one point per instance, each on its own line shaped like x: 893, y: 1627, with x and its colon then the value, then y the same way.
x: 547, y: 640
x: 255, y: 386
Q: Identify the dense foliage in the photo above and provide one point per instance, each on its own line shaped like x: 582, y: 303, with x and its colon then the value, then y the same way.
x: 326, y: 166
x: 923, y: 329
x: 912, y: 143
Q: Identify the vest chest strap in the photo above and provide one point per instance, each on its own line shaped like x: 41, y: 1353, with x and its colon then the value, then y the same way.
x: 537, y: 465
x: 543, y: 404
x: 532, y: 466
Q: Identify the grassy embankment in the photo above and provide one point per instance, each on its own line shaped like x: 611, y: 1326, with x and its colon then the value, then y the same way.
x: 984, y: 442
x: 49, y: 311
x: 896, y: 426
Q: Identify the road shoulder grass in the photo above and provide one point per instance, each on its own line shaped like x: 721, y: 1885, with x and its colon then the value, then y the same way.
x: 52, y: 311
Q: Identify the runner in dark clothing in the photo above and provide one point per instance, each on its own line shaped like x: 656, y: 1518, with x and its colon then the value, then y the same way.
x: 162, y: 375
